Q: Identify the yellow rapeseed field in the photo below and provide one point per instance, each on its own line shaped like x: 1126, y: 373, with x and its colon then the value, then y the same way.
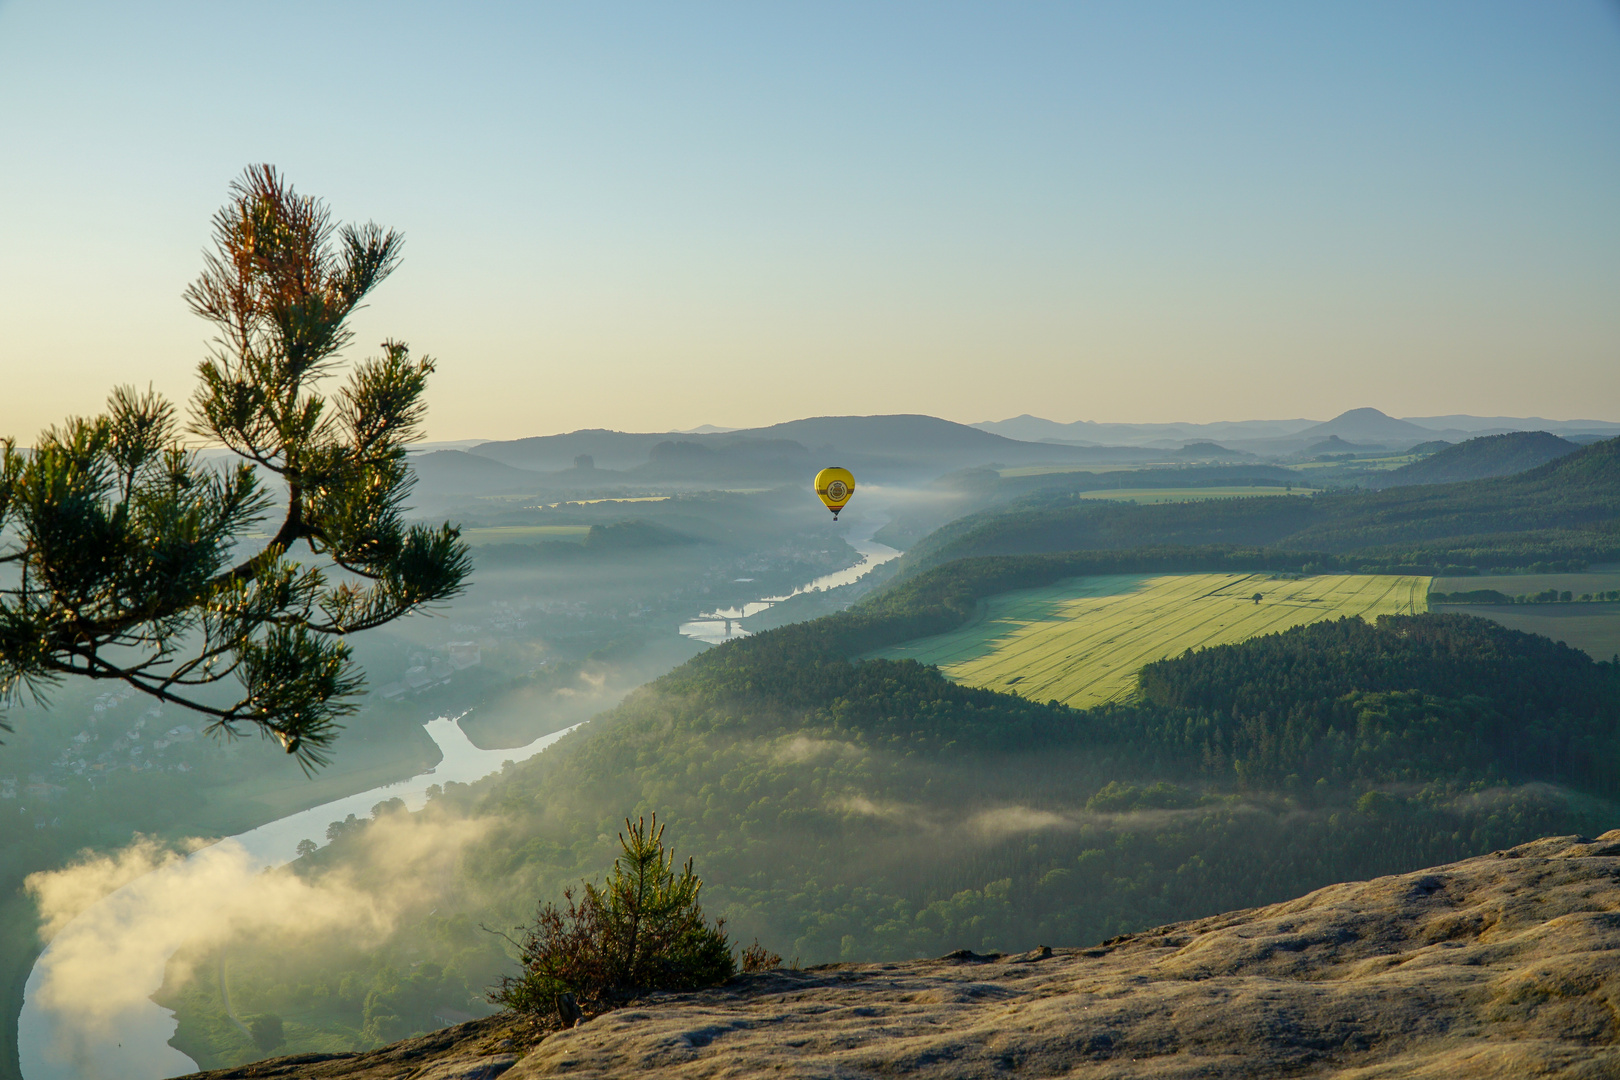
x: 1082, y: 641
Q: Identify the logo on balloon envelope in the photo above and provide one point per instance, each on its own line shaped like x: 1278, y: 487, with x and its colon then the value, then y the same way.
x: 834, y: 486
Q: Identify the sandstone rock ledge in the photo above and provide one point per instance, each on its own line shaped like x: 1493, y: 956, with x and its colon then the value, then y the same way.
x: 1503, y: 965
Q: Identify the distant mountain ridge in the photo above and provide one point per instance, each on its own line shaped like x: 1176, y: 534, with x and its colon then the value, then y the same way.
x: 1356, y: 425
x: 1167, y: 435
x: 452, y: 468
x: 1367, y: 426
x: 905, y: 443
x: 900, y: 448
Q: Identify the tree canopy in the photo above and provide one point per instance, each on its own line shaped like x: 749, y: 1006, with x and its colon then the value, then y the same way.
x: 126, y: 554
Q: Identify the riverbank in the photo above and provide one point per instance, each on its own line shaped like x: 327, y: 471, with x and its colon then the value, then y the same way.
x: 813, y: 597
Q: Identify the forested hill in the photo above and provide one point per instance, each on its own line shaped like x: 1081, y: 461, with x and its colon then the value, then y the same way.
x: 1566, y: 512
x: 847, y: 809
x: 1421, y: 696
x: 890, y: 445
x: 1482, y: 458
x: 815, y: 792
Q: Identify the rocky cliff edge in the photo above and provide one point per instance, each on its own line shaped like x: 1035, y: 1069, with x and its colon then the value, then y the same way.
x: 1503, y: 965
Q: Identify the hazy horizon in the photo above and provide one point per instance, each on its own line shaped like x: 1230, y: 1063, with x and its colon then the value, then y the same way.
x: 721, y: 429
x: 643, y: 218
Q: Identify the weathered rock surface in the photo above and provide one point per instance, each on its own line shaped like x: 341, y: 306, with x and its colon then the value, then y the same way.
x: 477, y: 1050
x: 1504, y: 965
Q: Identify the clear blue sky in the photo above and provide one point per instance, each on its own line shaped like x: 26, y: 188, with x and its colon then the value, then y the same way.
x: 652, y: 216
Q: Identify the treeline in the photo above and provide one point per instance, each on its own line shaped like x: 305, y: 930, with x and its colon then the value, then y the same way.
x: 1413, y: 698
x: 1545, y: 596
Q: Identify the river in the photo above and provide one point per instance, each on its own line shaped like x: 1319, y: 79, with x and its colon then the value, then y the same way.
x: 724, y: 624
x: 55, y: 1043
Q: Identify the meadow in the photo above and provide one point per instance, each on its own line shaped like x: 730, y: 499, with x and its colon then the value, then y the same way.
x: 1370, y: 464
x: 599, y: 502
x: 1195, y: 494
x: 525, y: 534
x: 1596, y: 580
x: 1083, y: 640
x: 1054, y: 470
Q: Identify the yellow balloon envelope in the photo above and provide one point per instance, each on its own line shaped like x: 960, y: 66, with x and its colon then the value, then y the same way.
x: 835, y: 486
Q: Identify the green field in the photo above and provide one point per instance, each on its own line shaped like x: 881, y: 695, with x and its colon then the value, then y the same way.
x: 525, y: 534
x: 1593, y: 581
x: 1053, y: 470
x: 1370, y: 464
x: 594, y: 502
x: 1159, y: 494
x: 1082, y: 641
x: 1179, y: 495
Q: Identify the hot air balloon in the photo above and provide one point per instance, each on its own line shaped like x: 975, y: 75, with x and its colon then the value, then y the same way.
x: 835, y: 486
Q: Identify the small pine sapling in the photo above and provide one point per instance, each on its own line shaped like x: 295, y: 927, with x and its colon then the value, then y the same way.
x: 643, y: 929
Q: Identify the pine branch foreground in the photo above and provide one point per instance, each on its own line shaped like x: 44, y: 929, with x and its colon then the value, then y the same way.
x: 121, y: 550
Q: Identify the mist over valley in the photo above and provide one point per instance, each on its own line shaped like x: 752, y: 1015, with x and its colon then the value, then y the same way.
x: 815, y: 783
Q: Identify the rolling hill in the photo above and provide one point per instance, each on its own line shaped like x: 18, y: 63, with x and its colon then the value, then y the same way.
x: 816, y: 793
x: 883, y: 446
x: 927, y: 443
x: 457, y: 470
x: 1482, y: 458
x: 1335, y: 445
x: 1367, y: 426
x: 1204, y: 450
x: 608, y: 449
x: 1253, y: 434
x: 1567, y: 509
